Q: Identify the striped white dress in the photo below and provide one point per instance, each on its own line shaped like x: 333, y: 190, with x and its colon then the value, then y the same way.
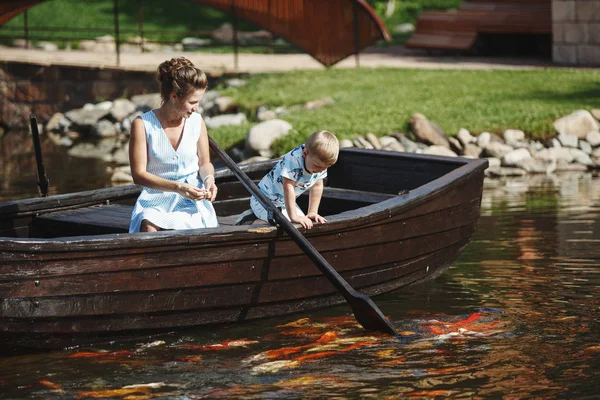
x: 169, y: 210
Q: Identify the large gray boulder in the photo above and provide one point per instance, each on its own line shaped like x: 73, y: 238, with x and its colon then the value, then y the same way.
x: 427, y: 131
x: 121, y: 109
x: 261, y: 136
x: 578, y: 123
x: 225, y: 120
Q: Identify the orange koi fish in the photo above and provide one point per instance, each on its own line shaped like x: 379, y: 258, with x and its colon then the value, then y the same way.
x: 327, y: 337
x: 314, y: 356
x: 428, y: 393
x: 122, y: 392
x: 282, y: 352
x: 391, y: 363
x: 447, y: 370
x: 469, y: 320
x: 592, y: 349
x: 302, y: 332
x: 312, y: 380
x: 92, y: 354
x: 50, y: 385
x: 358, y: 345
x: 344, y: 320
x: 275, y: 354
x: 130, y: 392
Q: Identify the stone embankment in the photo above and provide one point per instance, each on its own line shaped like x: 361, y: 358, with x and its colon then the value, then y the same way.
x: 102, y: 131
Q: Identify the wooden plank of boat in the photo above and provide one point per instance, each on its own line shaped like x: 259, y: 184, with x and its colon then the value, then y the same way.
x: 108, y: 283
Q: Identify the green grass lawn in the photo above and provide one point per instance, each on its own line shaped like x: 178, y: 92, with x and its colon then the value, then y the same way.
x: 382, y: 100
x: 172, y: 15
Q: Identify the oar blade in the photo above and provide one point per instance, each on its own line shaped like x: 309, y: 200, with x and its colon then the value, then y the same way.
x: 370, y: 316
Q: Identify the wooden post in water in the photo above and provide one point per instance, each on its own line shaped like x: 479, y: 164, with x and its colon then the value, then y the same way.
x: 116, y: 17
x: 42, y: 179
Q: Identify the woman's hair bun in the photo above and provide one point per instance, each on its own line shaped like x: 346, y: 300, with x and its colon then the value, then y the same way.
x: 179, y: 75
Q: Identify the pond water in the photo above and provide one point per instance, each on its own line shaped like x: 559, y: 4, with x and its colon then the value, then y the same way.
x: 515, y: 317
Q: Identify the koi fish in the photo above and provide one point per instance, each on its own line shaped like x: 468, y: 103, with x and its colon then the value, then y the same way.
x: 385, y: 353
x: 311, y: 381
x: 92, y: 354
x: 314, y: 356
x: 227, y: 345
x: 190, y: 359
x: 274, y: 366
x: 295, y: 324
x: 344, y: 320
x: 122, y: 392
x: 302, y: 332
x: 592, y: 349
x: 150, y: 345
x: 469, y: 320
x: 391, y: 363
x: 275, y: 354
x: 51, y: 385
x: 358, y: 345
x: 407, y: 333
x: 327, y: 337
x: 131, y: 392
x: 428, y: 393
x: 448, y: 370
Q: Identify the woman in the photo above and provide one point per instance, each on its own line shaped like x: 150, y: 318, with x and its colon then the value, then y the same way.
x: 169, y: 155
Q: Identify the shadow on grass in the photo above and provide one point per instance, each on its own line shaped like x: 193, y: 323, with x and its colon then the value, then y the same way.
x: 590, y: 95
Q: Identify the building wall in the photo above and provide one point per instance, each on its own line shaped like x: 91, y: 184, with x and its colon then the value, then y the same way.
x: 576, y: 32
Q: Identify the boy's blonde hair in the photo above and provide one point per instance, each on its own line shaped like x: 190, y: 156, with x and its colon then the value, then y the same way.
x: 323, y: 145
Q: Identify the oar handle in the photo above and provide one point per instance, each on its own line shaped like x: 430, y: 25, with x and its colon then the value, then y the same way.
x: 334, y: 277
x: 365, y: 311
x: 42, y: 179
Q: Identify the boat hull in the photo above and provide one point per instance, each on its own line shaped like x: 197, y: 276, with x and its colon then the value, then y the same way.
x: 88, y: 286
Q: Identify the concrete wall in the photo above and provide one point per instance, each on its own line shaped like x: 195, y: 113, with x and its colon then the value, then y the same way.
x: 576, y: 32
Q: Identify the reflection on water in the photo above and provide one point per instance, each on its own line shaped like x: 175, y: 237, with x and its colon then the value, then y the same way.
x: 18, y: 171
x: 515, y: 317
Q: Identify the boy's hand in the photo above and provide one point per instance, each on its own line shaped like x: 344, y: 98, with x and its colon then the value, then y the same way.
x: 302, y: 220
x: 316, y: 217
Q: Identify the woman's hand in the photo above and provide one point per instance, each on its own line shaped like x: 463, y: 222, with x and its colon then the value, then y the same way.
x: 191, y: 192
x: 211, y: 187
x: 316, y: 217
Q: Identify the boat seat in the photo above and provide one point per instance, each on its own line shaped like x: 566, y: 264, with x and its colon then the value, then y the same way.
x: 357, y: 196
x: 115, y: 218
x: 94, y: 220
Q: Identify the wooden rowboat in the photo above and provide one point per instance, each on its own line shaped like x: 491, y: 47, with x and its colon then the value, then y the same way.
x: 70, y: 270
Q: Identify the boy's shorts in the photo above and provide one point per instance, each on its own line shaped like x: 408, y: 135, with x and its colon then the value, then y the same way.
x: 261, y: 212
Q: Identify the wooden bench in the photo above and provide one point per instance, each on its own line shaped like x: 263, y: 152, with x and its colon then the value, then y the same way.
x: 95, y: 220
x: 459, y: 29
x: 115, y: 218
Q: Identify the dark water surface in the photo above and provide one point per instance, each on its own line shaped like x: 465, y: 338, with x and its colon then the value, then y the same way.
x: 18, y: 171
x: 515, y: 317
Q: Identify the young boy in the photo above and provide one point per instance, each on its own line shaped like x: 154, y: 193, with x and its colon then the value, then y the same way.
x: 301, y: 169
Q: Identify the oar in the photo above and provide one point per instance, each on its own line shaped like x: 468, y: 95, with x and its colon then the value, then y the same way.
x: 365, y: 311
x: 43, y: 182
